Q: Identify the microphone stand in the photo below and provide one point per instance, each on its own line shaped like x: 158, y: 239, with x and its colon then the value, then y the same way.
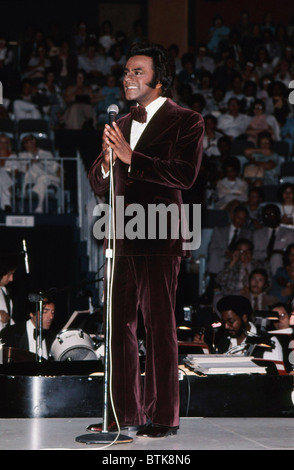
x: 39, y: 336
x: 105, y: 436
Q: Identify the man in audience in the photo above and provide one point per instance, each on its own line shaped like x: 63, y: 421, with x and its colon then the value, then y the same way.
x: 257, y: 290
x: 233, y: 123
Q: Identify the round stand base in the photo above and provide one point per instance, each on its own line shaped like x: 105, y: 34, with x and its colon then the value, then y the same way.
x: 104, y: 438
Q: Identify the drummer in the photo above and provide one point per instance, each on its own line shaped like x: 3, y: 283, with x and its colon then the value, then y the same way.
x: 23, y: 335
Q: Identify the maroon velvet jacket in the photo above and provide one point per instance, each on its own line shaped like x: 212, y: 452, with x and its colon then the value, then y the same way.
x: 165, y: 161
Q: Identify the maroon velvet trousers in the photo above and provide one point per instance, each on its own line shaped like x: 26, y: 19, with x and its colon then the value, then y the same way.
x: 151, y: 282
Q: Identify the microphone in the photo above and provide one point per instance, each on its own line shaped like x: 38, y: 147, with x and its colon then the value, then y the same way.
x: 112, y: 111
x: 26, y: 259
x: 35, y: 297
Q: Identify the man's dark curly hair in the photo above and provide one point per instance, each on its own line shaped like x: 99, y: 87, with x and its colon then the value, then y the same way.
x: 163, y: 64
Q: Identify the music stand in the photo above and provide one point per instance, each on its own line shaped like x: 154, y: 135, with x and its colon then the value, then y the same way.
x: 105, y: 436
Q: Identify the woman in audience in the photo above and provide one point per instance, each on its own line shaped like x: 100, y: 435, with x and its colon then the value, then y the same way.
x: 259, y: 123
x: 286, y: 196
x: 264, y: 163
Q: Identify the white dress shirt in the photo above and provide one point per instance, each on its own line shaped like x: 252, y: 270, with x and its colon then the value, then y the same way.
x: 138, y: 128
x: 30, y: 327
x: 3, y: 307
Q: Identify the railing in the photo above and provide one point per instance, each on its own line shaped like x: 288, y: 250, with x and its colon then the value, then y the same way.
x: 87, y: 200
x: 26, y: 173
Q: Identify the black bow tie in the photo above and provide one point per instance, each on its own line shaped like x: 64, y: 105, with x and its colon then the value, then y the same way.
x: 138, y: 113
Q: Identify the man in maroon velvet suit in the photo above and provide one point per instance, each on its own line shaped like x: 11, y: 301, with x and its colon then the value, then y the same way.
x: 153, y: 162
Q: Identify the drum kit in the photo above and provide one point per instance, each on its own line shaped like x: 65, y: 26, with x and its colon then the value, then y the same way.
x: 76, y: 345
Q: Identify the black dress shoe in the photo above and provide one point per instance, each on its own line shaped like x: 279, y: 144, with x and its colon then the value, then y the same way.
x: 112, y: 427
x: 156, y: 430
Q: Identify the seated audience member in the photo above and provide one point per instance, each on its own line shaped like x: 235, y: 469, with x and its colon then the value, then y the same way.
x: 115, y: 62
x: 6, y: 62
x: 216, y: 104
x: 52, y: 96
x: 211, y: 136
x: 92, y: 63
x: 188, y: 74
x: 222, y: 246
x: 234, y: 278
x: 8, y: 166
x: 203, y: 61
x: 41, y: 170
x: 250, y: 90
x: 287, y: 133
x: 106, y: 39
x: 286, y: 196
x: 260, y: 122
x: 257, y: 292
x: 109, y: 94
x: 79, y: 100
x: 271, y: 241
x: 65, y: 64
x: 233, y: 123
x: 231, y: 190
x: 37, y: 65
x: 25, y: 106
x: 217, y: 162
x: 263, y: 168
x: 218, y: 32
x: 23, y: 335
x: 283, y: 279
x: 205, y: 86
x: 236, y: 91
x: 248, y: 73
x: 283, y: 332
x: 263, y: 65
x: 8, y: 266
x: 254, y: 207
x: 277, y: 104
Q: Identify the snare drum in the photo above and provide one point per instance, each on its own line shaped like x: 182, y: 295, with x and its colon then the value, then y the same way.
x: 73, y: 345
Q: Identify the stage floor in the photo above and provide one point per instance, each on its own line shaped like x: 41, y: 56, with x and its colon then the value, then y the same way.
x: 194, y: 434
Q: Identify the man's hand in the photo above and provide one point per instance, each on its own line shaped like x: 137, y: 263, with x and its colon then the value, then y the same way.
x: 4, y: 316
x: 115, y: 140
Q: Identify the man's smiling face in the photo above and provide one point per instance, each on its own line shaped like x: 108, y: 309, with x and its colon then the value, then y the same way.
x: 138, y: 76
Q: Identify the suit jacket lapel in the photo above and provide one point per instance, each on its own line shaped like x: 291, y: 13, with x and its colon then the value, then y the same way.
x: 160, y: 122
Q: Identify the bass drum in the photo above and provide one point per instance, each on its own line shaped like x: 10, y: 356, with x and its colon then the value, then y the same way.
x: 73, y: 345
